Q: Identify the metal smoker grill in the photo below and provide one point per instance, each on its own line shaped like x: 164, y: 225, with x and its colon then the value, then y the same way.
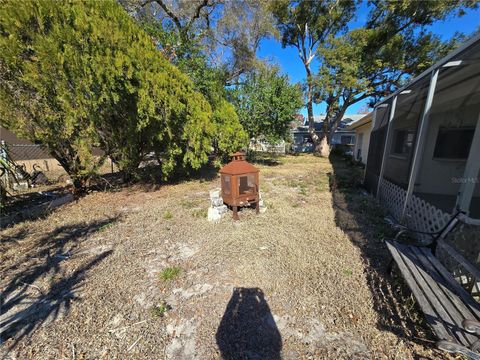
x: 240, y: 184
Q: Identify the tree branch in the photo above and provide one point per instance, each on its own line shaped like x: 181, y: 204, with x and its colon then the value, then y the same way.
x: 170, y: 13
x: 196, y: 15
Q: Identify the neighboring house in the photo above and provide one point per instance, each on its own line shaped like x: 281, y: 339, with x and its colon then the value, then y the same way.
x: 424, y: 153
x: 342, y: 136
x: 24, y: 152
x: 362, y: 128
x: 262, y: 145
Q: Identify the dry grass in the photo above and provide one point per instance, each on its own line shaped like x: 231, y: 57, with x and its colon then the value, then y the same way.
x: 86, y: 282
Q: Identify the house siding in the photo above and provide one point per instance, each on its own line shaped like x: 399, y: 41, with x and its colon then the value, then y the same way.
x: 365, y: 142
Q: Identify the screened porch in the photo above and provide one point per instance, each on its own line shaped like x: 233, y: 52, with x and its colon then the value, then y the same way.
x: 424, y: 157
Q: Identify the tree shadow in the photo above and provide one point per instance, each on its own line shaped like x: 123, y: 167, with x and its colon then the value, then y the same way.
x: 247, y: 329
x: 362, y: 219
x: 264, y: 158
x: 16, y: 237
x: 151, y: 177
x: 267, y: 162
x: 33, y: 206
x: 19, y: 201
x: 24, y: 305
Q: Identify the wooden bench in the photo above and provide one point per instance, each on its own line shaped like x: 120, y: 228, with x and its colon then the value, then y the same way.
x: 451, y: 311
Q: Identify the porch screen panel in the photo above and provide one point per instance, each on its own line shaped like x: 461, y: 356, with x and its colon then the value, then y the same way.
x: 405, y: 124
x: 453, y: 119
x: 475, y: 204
x: 466, y: 240
x: 377, y: 146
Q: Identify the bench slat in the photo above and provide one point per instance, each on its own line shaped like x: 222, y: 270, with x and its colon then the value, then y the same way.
x: 427, y: 286
x: 442, y: 296
x: 443, y: 280
x: 459, y: 290
x: 432, y: 318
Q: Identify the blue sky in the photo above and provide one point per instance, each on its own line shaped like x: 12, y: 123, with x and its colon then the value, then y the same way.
x: 291, y: 64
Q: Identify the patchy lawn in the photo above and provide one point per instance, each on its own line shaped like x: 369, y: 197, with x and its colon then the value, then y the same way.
x: 142, y: 274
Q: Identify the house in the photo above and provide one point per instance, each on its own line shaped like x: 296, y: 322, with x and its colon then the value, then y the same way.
x: 424, y: 154
x: 301, y: 141
x: 362, y: 128
x: 263, y: 145
x: 31, y: 155
x: 28, y: 154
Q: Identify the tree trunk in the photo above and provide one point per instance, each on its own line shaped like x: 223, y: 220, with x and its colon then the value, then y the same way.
x: 323, y: 148
x: 333, y: 119
x: 72, y: 167
x: 320, y: 144
x: 79, y: 186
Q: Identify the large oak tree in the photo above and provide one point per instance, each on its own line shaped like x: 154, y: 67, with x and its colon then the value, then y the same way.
x: 366, y: 62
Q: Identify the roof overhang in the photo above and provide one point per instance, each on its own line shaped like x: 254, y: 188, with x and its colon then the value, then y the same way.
x: 363, y: 121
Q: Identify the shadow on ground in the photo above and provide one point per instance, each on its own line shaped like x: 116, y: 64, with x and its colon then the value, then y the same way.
x: 362, y: 219
x: 20, y: 201
x: 15, y: 237
x: 151, y: 178
x: 264, y: 158
x: 148, y: 178
x: 26, y: 306
x: 247, y: 329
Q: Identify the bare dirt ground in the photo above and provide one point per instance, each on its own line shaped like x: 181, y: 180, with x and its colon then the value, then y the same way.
x: 304, y: 280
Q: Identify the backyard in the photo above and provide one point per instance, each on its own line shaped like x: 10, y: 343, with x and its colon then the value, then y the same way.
x: 141, y: 273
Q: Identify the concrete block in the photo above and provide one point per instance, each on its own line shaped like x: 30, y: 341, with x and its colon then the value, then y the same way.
x: 214, y: 194
x: 213, y: 214
x: 222, y: 209
x: 218, y: 201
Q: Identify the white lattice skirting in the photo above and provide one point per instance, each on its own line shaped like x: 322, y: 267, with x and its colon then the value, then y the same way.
x: 420, y: 215
x: 392, y: 197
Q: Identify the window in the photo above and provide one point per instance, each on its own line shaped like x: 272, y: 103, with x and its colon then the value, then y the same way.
x: 453, y: 143
x: 402, y: 142
x: 346, y: 140
x: 246, y: 184
x: 307, y: 139
x: 226, y: 184
x: 298, y: 138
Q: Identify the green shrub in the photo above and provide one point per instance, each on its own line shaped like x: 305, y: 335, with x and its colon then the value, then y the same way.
x: 230, y: 135
x: 82, y: 74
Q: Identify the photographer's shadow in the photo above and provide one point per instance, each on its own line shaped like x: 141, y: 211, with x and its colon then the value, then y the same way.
x: 247, y: 329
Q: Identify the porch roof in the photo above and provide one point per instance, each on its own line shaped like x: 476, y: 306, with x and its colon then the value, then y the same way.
x: 360, y: 122
x: 443, y: 62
